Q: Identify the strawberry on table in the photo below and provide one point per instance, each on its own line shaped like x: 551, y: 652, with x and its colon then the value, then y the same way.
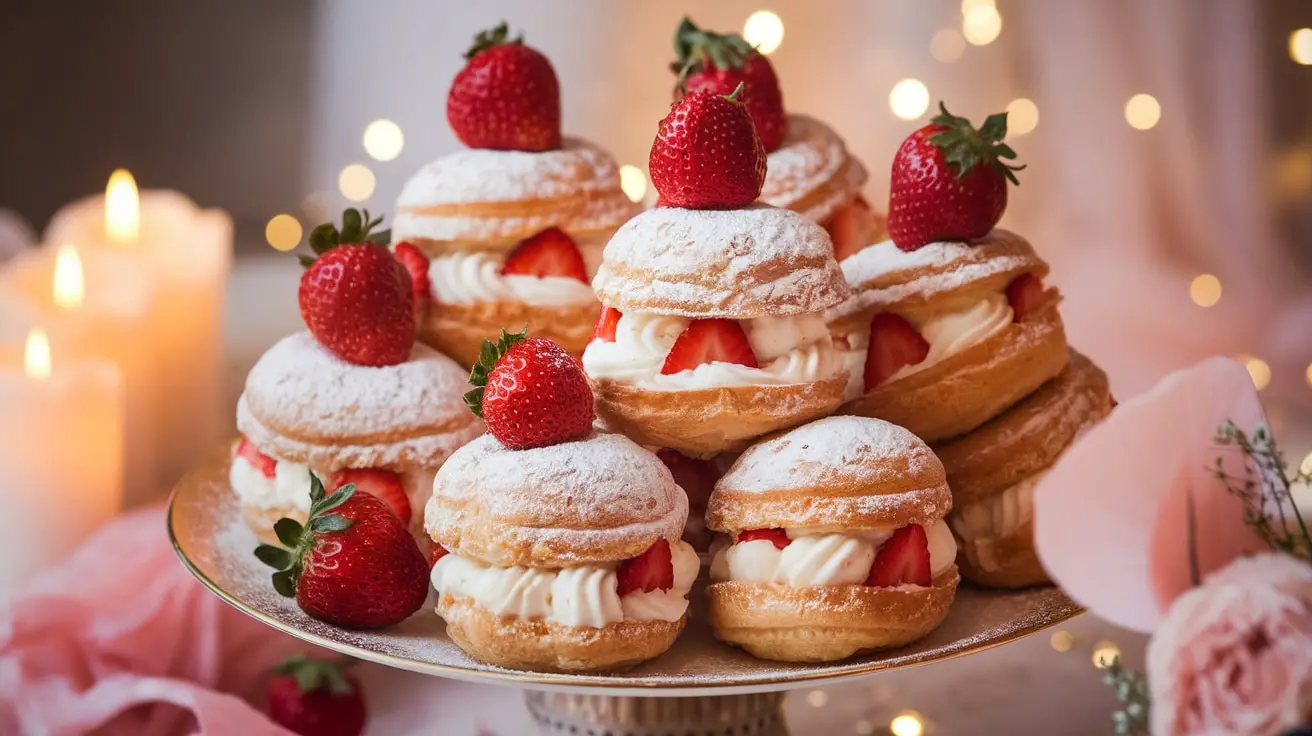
x: 355, y: 296
x: 385, y: 485
x: 530, y: 392
x: 651, y: 570
x: 902, y: 560
x: 950, y: 181
x: 416, y: 264
x: 894, y: 344
x: 314, y: 697
x: 712, y: 62
x: 1026, y: 295
x: 353, y: 564
x: 709, y: 341
x: 607, y: 324
x: 258, y: 460
x: 506, y: 97
x: 706, y: 154
x: 549, y: 253
x: 777, y: 537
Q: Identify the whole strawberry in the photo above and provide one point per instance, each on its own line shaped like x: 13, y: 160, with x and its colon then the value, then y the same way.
x: 506, y: 97
x: 357, y: 567
x: 711, y: 62
x: 355, y: 297
x: 314, y: 697
x: 706, y: 154
x: 530, y: 392
x: 949, y: 181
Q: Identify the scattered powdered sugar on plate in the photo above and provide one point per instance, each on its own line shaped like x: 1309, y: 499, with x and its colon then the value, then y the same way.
x: 205, y: 523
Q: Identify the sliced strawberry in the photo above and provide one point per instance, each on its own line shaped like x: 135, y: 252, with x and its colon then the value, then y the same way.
x: 549, y: 253
x: 777, y: 537
x: 436, y: 553
x: 894, y: 343
x: 852, y: 227
x: 261, y: 462
x: 903, y: 560
x: 610, y: 319
x: 709, y: 341
x: 416, y: 263
x: 384, y: 484
x: 696, y: 477
x: 1025, y: 294
x: 651, y: 570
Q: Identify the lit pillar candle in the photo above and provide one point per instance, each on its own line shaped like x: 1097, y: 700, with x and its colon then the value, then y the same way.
x: 97, y: 305
x: 187, y: 252
x: 61, y: 447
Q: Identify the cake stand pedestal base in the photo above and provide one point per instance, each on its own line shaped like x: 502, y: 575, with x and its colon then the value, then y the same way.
x: 559, y: 713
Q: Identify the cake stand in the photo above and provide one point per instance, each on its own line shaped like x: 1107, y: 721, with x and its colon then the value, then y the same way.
x: 700, y: 687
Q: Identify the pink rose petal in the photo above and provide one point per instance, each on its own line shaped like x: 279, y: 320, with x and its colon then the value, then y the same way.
x: 1111, y: 517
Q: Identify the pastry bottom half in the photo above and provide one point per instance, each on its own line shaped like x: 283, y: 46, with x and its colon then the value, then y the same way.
x: 1005, y: 562
x: 458, y: 330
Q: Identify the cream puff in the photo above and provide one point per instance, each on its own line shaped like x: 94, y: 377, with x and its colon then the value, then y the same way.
x: 837, y: 543
x: 560, y: 558
x: 387, y: 429
x: 993, y: 471
x: 942, y: 339
x: 713, y: 331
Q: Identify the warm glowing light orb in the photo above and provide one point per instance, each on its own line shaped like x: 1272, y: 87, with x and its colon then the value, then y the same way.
x: 1259, y: 371
x: 383, y: 140
x: 1104, y: 653
x: 356, y: 182
x: 283, y: 232
x: 1143, y: 111
x: 947, y: 45
x: 633, y: 182
x: 1022, y: 116
x: 1062, y: 641
x: 909, y: 99
x: 1205, y: 290
x: 36, y: 355
x: 981, y: 25
x: 906, y: 724
x: 1300, y: 46
x: 122, y: 208
x: 764, y: 30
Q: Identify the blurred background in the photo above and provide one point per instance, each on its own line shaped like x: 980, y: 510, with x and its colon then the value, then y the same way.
x: 1169, y: 182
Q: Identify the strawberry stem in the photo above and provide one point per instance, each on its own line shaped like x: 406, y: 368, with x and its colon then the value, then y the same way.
x: 492, y: 37
x: 695, y: 47
x: 964, y: 147
x: 357, y: 227
x: 487, y: 360
x: 298, y: 539
x: 313, y: 674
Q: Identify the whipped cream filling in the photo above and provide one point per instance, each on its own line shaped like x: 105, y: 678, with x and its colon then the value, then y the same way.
x: 981, y: 524
x: 586, y: 595
x: 819, y: 557
x: 290, y: 486
x: 470, y: 277
x: 947, y: 334
x: 788, y: 350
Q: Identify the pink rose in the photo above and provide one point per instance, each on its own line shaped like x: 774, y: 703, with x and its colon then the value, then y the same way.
x: 1234, y: 656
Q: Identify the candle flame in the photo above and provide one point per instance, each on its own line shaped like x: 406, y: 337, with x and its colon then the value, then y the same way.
x: 69, y: 287
x: 36, y: 355
x: 122, y: 208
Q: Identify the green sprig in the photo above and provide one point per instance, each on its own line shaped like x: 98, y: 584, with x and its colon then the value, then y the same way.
x: 964, y: 147
x: 488, y: 356
x: 298, y: 539
x: 1265, y: 487
x: 1131, y: 689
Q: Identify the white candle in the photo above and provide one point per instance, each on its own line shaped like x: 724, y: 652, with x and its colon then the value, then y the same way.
x: 187, y: 252
x: 97, y: 305
x: 61, y: 447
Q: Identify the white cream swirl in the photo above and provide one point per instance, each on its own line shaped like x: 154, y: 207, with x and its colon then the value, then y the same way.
x: 466, y: 278
x: 983, y: 523
x: 824, y: 558
x: 585, y: 595
x: 788, y: 350
x: 288, y: 488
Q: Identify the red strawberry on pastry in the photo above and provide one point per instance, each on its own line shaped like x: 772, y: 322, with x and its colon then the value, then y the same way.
x: 314, y: 697
x: 854, y: 226
x: 353, y: 564
x: 777, y: 537
x: 549, y: 253
x: 435, y: 553
x: 1026, y: 296
x: 383, y: 484
x: 416, y: 264
x: 894, y: 344
x: 696, y: 477
x: 607, y: 324
x: 902, y: 560
x: 706, y: 154
x: 709, y: 341
x: 530, y: 392
x: 712, y: 62
x: 355, y: 296
x: 651, y: 570
x: 258, y: 460
x: 506, y: 97
x: 950, y: 181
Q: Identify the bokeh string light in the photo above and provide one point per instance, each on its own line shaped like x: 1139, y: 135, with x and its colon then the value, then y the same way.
x: 981, y: 24
x: 633, y: 182
x: 356, y: 182
x: 1258, y: 370
x: 907, y: 724
x: 1306, y: 466
x: 909, y: 99
x: 1205, y: 290
x: 764, y: 30
x: 383, y: 140
x: 947, y: 45
x: 1104, y: 653
x: 1062, y: 641
x: 1300, y: 46
x: 1022, y: 116
x: 1143, y: 112
x: 817, y: 698
x: 283, y: 232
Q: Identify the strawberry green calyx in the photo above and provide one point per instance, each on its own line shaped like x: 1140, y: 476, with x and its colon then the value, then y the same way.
x: 694, y: 47
x: 965, y: 147
x: 487, y: 360
x: 494, y: 37
x: 313, y: 675
x: 298, y: 539
x: 356, y: 228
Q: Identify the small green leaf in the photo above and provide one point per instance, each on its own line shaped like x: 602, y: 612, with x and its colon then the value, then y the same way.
x: 308, y: 678
x: 305, y: 261
x: 330, y: 523
x: 275, y: 557
x: 994, y: 127
x: 334, y: 499
x: 284, y: 582
x: 474, y: 400
x: 288, y: 531
x: 382, y: 237
x: 337, y: 682
x: 316, y: 488
x: 351, y: 230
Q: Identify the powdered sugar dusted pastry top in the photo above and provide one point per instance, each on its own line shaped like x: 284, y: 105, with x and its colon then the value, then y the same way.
x: 839, y: 473
x: 882, y: 277
x: 812, y: 172
x: 305, y: 405
x: 501, y: 197
x: 759, y: 261
x: 599, y: 499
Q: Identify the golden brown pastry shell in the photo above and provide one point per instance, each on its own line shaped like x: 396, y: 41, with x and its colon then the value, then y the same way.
x: 458, y: 330
x: 1017, y: 564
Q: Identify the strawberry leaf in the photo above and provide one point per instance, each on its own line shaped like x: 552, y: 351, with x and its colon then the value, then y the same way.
x: 333, y: 500
x: 317, y: 674
x: 356, y: 228
x: 694, y: 47
x: 488, y: 356
x: 284, y: 581
x: 289, y: 531
x: 330, y: 523
x: 275, y: 557
x: 298, y: 539
x: 964, y: 147
x: 489, y: 38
